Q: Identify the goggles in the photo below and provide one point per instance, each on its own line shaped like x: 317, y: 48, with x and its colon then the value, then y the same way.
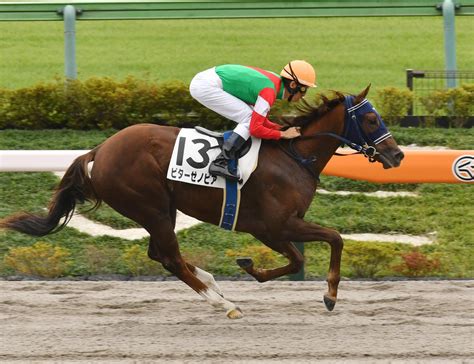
x: 302, y: 88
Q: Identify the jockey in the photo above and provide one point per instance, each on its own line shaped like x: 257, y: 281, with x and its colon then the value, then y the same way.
x: 245, y: 95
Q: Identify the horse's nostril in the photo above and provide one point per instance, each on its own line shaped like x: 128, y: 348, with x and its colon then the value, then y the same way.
x: 400, y: 155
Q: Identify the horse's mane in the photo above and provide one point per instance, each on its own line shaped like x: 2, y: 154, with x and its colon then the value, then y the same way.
x: 309, y: 112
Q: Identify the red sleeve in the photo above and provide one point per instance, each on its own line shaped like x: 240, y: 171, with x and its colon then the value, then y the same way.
x: 260, y: 126
x: 267, y: 123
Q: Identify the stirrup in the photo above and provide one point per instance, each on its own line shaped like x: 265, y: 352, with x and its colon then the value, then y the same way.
x: 223, y: 172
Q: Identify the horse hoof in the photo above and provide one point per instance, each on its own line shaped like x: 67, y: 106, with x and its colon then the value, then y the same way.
x: 329, y: 302
x: 235, y: 313
x: 244, y: 262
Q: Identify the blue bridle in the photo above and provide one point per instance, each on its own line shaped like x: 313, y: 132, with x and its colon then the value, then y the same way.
x: 353, y: 136
x: 353, y: 132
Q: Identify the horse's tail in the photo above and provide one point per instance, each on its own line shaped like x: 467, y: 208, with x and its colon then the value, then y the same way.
x: 75, y: 186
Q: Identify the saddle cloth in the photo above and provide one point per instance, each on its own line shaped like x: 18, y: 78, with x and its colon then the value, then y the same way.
x: 193, y: 152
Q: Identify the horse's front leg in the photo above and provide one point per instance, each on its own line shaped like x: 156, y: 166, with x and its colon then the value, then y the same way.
x: 302, y: 231
x: 285, y: 248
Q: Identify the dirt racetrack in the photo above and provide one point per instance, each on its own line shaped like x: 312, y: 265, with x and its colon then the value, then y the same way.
x: 284, y: 322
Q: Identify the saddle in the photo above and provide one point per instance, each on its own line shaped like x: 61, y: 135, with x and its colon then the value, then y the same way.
x: 220, y: 139
x: 193, y: 152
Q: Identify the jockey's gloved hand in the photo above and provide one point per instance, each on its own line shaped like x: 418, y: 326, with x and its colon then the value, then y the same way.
x: 290, y: 133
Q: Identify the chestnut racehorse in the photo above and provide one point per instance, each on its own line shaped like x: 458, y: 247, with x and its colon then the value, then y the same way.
x: 129, y: 174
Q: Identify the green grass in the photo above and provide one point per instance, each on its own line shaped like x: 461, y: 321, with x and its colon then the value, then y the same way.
x: 453, y: 138
x: 348, y: 53
x: 52, y: 139
x: 439, y: 208
x: 442, y: 208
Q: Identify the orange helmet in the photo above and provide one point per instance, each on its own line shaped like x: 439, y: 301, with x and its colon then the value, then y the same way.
x: 301, y: 72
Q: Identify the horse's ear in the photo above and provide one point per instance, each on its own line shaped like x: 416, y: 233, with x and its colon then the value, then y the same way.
x: 363, y: 94
x: 340, y: 96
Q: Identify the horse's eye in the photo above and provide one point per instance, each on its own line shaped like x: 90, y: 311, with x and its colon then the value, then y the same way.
x: 373, y: 122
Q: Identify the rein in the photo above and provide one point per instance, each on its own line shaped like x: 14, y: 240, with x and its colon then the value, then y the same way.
x: 368, y: 151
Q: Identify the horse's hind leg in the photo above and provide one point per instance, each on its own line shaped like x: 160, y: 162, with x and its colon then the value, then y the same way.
x: 206, y: 277
x: 164, y: 248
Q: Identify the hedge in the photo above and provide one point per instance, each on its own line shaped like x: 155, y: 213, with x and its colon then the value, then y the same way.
x: 455, y: 103
x: 361, y: 260
x: 102, y: 103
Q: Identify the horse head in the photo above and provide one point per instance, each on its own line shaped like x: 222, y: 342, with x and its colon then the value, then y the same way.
x: 365, y: 128
x: 348, y: 120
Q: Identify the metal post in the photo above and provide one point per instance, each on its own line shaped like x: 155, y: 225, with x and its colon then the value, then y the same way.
x: 70, y: 42
x: 449, y: 42
x: 300, y: 275
x: 410, y: 87
x: 411, y: 74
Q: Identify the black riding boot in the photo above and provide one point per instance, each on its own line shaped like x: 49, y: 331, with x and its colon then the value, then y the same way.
x: 220, y: 166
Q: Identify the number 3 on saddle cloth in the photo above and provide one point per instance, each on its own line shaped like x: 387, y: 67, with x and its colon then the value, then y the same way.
x: 193, y: 152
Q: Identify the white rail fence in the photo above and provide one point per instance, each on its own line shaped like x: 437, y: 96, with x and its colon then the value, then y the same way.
x: 419, y: 166
x: 37, y: 160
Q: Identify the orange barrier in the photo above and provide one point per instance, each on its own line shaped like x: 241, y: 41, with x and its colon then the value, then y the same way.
x: 418, y: 166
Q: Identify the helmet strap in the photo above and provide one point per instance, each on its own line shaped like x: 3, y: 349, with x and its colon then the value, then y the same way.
x: 293, y: 74
x: 291, y: 90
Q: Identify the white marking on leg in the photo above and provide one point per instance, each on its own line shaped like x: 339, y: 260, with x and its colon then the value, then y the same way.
x: 208, y: 279
x: 215, y: 300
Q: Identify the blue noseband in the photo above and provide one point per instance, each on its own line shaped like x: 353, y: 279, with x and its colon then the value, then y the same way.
x: 353, y: 123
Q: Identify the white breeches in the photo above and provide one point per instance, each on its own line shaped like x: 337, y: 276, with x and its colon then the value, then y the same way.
x: 206, y: 87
